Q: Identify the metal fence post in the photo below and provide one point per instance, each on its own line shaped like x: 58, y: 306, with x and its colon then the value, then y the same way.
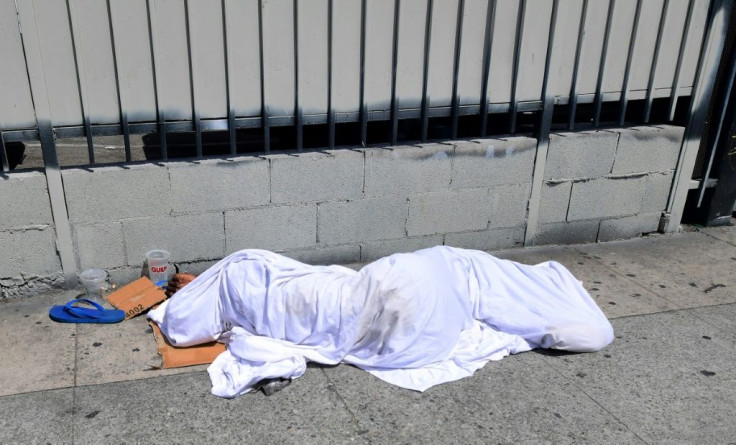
x: 36, y: 76
x: 716, y: 30
x: 425, y: 70
x: 3, y: 152
x: 193, y: 78
x: 545, y: 125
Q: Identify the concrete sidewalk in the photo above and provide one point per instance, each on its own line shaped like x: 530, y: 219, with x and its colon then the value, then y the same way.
x: 669, y: 377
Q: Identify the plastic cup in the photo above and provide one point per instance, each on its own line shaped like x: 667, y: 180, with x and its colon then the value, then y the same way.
x: 158, y: 266
x: 94, y: 282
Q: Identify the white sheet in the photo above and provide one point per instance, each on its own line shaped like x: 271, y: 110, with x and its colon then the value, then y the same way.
x: 414, y: 320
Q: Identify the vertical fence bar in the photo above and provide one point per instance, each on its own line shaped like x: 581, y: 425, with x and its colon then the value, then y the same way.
x: 455, y: 108
x: 81, y: 79
x: 119, y: 85
x: 394, y: 65
x: 193, y: 78
x: 330, y: 109
x: 425, y: 69
x: 228, y: 90
x: 487, y: 51
x: 161, y: 118
x: 602, y: 66
x: 714, y: 141
x: 711, y: 49
x: 545, y: 125
x: 513, y: 103
x: 297, y: 105
x: 39, y: 94
x: 655, y: 60
x: 265, y: 123
x: 576, y: 65
x: 363, y: 107
x: 674, y: 92
x: 624, y: 102
x: 3, y: 152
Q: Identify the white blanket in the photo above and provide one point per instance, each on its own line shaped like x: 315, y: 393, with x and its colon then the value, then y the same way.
x: 415, y: 320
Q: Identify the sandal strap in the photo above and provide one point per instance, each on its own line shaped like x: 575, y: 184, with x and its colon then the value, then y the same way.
x: 71, y: 304
x: 82, y: 312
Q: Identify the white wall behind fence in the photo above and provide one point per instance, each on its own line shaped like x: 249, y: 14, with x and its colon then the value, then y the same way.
x: 84, y: 41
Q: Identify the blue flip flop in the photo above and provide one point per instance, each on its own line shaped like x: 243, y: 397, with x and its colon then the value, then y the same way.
x: 72, y: 313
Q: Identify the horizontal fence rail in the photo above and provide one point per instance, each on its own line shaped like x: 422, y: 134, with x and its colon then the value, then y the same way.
x: 122, y: 67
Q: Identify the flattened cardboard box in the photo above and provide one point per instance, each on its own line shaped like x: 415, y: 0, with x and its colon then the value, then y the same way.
x: 174, y: 357
x: 136, y: 297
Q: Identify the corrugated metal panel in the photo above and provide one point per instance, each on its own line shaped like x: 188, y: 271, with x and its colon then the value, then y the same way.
x: 379, y: 39
x: 410, y: 66
x: 346, y: 49
x: 516, y: 63
x: 16, y: 105
x: 57, y: 52
x: 278, y: 53
x: 95, y: 60
x: 173, y: 59
x: 313, y: 56
x: 471, y: 53
x: 534, y: 49
x: 245, y: 76
x: 502, y: 57
x: 132, y: 43
x: 442, y: 47
x: 208, y: 51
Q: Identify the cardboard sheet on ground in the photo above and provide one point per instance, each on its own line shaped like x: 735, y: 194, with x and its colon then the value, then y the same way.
x: 137, y: 297
x: 173, y: 357
x: 415, y: 320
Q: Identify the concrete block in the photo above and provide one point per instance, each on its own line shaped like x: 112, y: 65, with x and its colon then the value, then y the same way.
x: 379, y: 249
x: 645, y: 149
x: 451, y: 211
x: 216, y: 184
x: 555, y: 201
x: 486, y: 240
x: 124, y: 275
x: 120, y: 276
x: 114, y: 193
x: 606, y: 197
x: 316, y: 176
x: 187, y: 237
x: 29, y: 252
x: 508, y: 205
x: 587, y: 154
x: 568, y: 233
x: 657, y: 191
x: 628, y: 227
x: 362, y: 220
x: 25, y: 200
x: 404, y: 171
x: 344, y: 254
x: 100, y: 245
x: 196, y: 267
x: 30, y: 286
x: 491, y: 162
x: 271, y: 228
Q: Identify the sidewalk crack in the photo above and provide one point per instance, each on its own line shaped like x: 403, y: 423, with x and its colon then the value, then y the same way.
x: 342, y: 399
x: 582, y: 390
x: 716, y: 238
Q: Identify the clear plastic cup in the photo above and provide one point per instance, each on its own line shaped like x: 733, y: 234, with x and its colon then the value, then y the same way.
x: 158, y: 266
x: 95, y: 283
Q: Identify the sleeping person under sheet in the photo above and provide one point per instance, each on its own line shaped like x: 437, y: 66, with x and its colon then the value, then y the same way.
x: 413, y: 319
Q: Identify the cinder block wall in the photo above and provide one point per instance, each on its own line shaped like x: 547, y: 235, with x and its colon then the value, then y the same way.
x: 318, y: 207
x: 605, y: 185
x: 29, y: 263
x: 339, y: 206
